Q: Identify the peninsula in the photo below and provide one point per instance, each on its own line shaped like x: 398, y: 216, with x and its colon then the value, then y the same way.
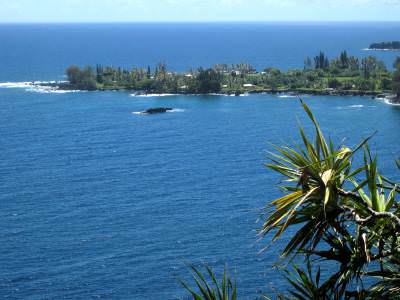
x: 389, y: 46
x: 343, y: 75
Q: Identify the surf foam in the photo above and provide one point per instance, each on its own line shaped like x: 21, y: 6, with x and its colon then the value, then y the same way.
x: 37, y: 87
x: 152, y: 95
x: 287, y: 96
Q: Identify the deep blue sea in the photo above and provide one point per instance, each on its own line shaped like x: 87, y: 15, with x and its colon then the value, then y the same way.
x: 97, y: 202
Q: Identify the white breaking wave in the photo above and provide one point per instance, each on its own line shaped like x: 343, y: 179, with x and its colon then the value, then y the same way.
x: 388, y: 101
x: 37, y: 87
x: 50, y: 90
x: 287, y: 96
x: 350, y: 106
x: 369, y: 49
x: 177, y: 110
x: 14, y: 85
x: 232, y: 95
x: 353, y: 106
x: 152, y: 95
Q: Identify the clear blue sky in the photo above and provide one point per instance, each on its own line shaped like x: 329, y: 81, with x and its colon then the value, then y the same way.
x: 197, y: 10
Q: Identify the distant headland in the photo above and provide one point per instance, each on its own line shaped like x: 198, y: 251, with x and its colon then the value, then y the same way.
x: 385, y: 46
x: 343, y: 75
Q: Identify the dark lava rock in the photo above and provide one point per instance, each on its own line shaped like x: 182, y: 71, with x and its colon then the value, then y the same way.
x: 157, y: 110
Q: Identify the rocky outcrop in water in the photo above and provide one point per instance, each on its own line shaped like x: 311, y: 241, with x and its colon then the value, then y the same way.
x: 157, y: 110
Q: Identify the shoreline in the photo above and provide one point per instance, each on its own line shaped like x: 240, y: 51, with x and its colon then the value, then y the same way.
x: 344, y: 75
x: 385, y: 96
x: 294, y: 92
x: 64, y: 87
x: 378, y: 49
x: 380, y: 95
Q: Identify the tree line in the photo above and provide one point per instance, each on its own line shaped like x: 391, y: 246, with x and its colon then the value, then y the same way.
x: 343, y: 73
x: 158, y: 80
x: 395, y: 45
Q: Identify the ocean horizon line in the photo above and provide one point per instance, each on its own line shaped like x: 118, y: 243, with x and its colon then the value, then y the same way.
x: 239, y: 22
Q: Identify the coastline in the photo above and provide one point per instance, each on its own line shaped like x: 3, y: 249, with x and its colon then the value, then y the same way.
x: 61, y: 87
x: 378, y: 49
x: 344, y: 75
x: 385, y: 96
x: 385, y: 46
x: 227, y: 92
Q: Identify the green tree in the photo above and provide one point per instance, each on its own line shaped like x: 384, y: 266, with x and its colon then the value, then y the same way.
x: 365, y: 84
x: 99, y: 74
x: 82, y: 79
x: 386, y: 83
x: 88, y: 80
x: 321, y: 61
x: 344, y: 60
x: 148, y: 73
x: 209, y: 81
x: 307, y: 64
x: 334, y: 83
x: 396, y: 79
x: 73, y: 74
x: 354, y: 63
x: 371, y: 67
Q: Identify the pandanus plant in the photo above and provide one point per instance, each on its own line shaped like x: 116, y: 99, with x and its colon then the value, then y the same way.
x: 316, y: 173
x: 208, y: 286
x: 344, y: 217
x: 355, y: 228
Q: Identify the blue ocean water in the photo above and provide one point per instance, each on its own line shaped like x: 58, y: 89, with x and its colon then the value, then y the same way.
x: 42, y: 52
x: 99, y: 202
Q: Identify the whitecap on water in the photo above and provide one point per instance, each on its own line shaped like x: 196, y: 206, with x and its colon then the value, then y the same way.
x: 152, y: 95
x: 351, y: 106
x: 15, y: 85
x: 37, y: 87
x: 388, y: 101
x: 177, y: 110
x: 50, y: 90
x: 287, y: 96
x: 385, y: 50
